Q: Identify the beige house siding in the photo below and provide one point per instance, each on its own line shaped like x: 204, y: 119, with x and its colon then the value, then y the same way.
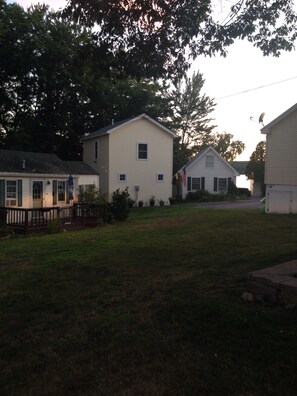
x: 281, y: 157
x: 142, y: 173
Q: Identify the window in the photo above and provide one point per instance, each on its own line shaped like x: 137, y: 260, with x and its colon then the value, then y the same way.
x: 209, y: 163
x: 96, y: 150
x: 122, y: 177
x: 196, y: 183
x: 61, y: 191
x: 11, y: 193
x: 160, y: 177
x: 222, y: 185
x: 142, y: 151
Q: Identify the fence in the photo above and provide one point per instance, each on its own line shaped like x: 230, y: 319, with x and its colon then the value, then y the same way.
x: 41, y: 219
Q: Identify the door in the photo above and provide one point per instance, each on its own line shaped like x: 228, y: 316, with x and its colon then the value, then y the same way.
x: 37, y: 194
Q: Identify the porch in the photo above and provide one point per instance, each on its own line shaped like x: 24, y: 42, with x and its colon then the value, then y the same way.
x: 80, y: 215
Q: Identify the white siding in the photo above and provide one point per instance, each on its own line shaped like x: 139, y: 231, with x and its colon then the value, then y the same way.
x: 199, y: 169
x: 281, y: 153
x: 281, y: 199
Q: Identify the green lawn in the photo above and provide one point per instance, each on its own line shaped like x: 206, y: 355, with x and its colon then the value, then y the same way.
x: 151, y: 306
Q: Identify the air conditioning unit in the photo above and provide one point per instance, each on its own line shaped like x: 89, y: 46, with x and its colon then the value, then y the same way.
x: 11, y: 202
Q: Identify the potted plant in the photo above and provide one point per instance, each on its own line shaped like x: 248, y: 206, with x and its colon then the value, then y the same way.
x: 140, y: 204
x: 161, y: 202
x: 152, y: 201
x: 172, y: 200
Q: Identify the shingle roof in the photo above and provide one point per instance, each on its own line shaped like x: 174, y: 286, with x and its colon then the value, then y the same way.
x: 39, y: 163
x: 111, y: 127
x: 240, y: 166
x: 80, y: 168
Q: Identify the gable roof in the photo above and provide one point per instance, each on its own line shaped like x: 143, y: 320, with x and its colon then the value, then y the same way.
x: 266, y: 128
x: 114, y: 126
x: 240, y: 166
x: 39, y: 163
x: 204, y: 152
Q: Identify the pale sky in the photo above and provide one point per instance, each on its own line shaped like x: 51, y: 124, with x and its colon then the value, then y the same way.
x: 244, y: 69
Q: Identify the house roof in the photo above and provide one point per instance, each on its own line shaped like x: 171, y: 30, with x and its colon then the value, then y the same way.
x: 240, y: 166
x: 266, y: 128
x: 39, y: 163
x: 114, y: 126
x: 80, y: 168
x: 204, y: 152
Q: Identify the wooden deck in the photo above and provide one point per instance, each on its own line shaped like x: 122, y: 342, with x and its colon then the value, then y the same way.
x: 26, y: 221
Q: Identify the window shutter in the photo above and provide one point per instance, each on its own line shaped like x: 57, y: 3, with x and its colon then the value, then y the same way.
x: 202, y: 183
x: 229, y: 184
x: 20, y: 193
x: 55, y: 192
x: 189, y: 183
x: 67, y: 192
x: 215, y: 184
x: 2, y: 192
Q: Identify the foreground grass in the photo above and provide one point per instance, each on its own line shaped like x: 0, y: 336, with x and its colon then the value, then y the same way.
x: 148, y: 307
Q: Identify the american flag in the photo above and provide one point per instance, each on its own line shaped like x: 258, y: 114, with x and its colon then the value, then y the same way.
x: 182, y: 173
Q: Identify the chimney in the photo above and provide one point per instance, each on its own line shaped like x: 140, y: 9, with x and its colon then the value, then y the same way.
x: 24, y: 165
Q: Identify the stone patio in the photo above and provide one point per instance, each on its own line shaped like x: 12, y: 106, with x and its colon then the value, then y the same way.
x: 276, y: 284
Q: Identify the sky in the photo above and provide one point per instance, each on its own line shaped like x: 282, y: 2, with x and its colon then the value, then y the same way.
x: 243, y: 85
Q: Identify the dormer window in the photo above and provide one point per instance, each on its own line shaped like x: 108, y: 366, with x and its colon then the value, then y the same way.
x: 209, y: 162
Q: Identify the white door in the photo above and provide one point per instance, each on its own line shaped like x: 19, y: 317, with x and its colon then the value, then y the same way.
x: 279, y: 201
x: 37, y: 194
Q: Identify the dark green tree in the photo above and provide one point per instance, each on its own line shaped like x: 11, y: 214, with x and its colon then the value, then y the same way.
x: 56, y: 83
x: 256, y: 166
x: 158, y: 38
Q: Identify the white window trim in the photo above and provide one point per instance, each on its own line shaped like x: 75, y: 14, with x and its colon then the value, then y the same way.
x: 119, y: 177
x: 8, y: 201
x: 137, y: 151
x: 157, y: 177
x: 65, y: 190
x: 223, y: 178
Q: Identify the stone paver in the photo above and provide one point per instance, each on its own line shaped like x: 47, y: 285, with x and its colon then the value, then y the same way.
x: 277, y: 284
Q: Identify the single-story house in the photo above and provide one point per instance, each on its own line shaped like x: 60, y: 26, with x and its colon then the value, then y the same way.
x: 281, y: 163
x: 136, y: 154
x: 37, y: 180
x: 209, y: 171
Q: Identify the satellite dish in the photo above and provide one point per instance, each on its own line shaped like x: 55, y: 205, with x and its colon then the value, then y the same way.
x: 261, y: 118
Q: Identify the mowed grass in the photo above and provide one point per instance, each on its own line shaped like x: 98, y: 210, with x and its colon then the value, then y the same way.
x: 151, y: 306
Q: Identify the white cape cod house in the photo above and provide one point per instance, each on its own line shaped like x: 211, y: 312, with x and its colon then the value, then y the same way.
x: 38, y: 180
x: 206, y: 171
x: 281, y: 163
x: 136, y: 154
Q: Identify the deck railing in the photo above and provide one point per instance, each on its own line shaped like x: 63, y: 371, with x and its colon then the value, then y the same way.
x: 40, y: 219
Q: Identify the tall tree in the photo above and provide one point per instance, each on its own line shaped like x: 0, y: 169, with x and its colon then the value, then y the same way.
x: 256, y: 166
x: 56, y: 84
x: 226, y: 147
x: 191, y: 119
x: 157, y: 37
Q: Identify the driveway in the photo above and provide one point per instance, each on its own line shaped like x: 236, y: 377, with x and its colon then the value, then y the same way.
x: 253, y: 202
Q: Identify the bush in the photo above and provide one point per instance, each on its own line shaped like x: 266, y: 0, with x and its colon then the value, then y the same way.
x: 91, y: 194
x: 200, y: 196
x: 120, y: 204
x: 244, y: 191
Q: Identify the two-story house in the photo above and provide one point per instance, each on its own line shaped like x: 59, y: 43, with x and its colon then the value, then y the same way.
x: 136, y: 154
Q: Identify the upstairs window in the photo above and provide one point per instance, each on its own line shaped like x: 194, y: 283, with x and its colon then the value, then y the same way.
x: 142, y: 151
x: 209, y: 162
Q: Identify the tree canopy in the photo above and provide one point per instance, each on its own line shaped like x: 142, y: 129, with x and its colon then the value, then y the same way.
x: 158, y: 38
x: 256, y: 166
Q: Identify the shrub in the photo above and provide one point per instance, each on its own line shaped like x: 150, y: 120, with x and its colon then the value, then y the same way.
x: 91, y: 194
x: 120, y: 204
x: 200, y: 196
